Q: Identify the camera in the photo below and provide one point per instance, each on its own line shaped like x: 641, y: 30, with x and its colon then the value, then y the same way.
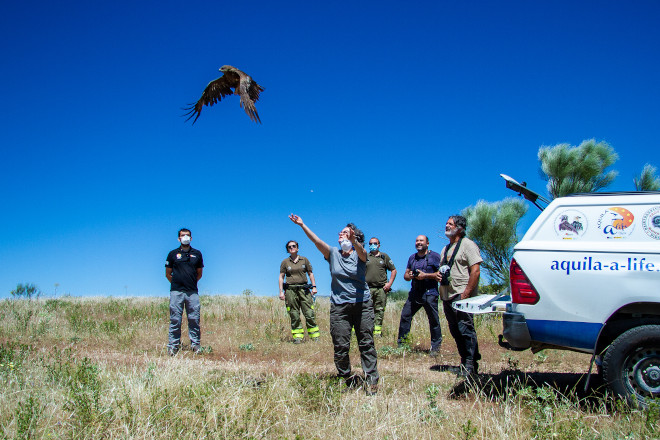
x: 415, y: 272
x: 444, y: 270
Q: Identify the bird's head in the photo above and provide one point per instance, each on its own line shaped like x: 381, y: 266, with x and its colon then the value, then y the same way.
x: 227, y: 68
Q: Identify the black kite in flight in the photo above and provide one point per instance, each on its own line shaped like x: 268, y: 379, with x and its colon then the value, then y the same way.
x: 243, y: 85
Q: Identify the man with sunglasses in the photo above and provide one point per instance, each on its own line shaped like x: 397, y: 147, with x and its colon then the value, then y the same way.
x: 378, y: 263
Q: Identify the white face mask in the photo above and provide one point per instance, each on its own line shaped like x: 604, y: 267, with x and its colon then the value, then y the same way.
x: 346, y: 245
x: 185, y: 240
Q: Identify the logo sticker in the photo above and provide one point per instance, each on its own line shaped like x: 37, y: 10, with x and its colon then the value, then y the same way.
x: 571, y: 224
x: 616, y: 222
x: 651, y: 222
x: 178, y: 256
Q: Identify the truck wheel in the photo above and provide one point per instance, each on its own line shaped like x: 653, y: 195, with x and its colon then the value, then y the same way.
x: 631, y: 365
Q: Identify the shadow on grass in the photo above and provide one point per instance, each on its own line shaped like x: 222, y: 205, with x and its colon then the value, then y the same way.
x: 509, y: 383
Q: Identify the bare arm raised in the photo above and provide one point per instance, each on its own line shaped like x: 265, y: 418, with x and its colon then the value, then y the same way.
x: 361, y: 251
x: 320, y: 244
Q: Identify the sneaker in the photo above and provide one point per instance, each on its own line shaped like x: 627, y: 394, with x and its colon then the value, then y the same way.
x: 196, y: 349
x: 434, y: 352
x: 371, y: 389
x: 297, y: 341
x: 316, y: 339
x: 172, y: 351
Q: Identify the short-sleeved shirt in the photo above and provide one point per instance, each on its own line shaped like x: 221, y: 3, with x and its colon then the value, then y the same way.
x: 348, y: 278
x: 184, y: 265
x: 468, y: 255
x: 296, y: 273
x: 377, y: 267
x: 428, y: 263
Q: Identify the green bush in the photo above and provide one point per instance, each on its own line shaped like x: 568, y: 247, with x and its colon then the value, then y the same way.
x: 28, y: 291
x: 398, y: 295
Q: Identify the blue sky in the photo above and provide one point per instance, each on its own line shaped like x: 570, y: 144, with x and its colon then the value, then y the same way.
x: 390, y: 115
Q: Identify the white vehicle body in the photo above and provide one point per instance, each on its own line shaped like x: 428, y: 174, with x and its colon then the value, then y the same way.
x: 593, y: 263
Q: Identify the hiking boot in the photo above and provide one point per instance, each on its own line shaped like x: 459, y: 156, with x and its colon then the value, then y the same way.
x: 196, y: 349
x: 172, y: 351
x: 467, y: 371
x: 297, y: 341
x: 371, y: 389
x: 434, y: 352
x: 353, y: 381
x: 316, y: 339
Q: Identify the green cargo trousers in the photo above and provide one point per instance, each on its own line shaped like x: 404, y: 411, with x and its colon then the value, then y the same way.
x: 297, y: 299
x: 379, y: 297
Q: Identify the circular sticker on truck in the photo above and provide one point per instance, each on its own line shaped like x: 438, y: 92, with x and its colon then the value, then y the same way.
x: 616, y: 222
x: 651, y: 222
x: 570, y: 224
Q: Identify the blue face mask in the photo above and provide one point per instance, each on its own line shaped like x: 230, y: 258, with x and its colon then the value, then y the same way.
x: 373, y: 247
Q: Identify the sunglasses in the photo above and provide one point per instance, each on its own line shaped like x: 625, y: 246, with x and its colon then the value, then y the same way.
x: 292, y: 246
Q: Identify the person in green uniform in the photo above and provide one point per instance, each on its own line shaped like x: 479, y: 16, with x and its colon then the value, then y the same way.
x: 296, y: 293
x: 378, y: 263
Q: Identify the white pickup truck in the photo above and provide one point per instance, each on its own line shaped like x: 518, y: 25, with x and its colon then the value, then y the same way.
x: 586, y: 277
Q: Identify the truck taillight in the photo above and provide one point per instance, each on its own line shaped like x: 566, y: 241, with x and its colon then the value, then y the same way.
x: 522, y: 290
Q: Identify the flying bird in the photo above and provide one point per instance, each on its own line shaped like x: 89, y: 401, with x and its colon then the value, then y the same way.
x: 243, y: 85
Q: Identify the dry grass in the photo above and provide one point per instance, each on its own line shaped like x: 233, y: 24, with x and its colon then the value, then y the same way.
x: 98, y: 368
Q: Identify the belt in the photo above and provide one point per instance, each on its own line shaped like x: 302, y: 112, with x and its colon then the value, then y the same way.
x: 376, y: 285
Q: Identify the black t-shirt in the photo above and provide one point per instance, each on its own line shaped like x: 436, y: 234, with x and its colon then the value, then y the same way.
x: 184, y: 265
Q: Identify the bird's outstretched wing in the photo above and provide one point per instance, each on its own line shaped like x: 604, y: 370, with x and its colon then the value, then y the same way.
x: 249, y: 92
x: 213, y: 93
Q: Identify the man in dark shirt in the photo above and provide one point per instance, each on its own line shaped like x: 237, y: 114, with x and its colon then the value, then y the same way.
x: 183, y: 268
x: 421, y: 270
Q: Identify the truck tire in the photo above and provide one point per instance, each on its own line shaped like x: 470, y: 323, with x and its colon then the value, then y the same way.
x: 631, y: 366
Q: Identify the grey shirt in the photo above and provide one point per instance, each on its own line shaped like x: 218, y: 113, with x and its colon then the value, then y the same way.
x: 348, y: 278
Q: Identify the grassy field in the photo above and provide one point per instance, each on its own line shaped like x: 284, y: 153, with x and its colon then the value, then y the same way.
x: 98, y: 368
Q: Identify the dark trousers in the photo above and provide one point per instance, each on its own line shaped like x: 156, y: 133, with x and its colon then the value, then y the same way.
x: 461, y: 327
x: 412, y: 306
x: 360, y: 316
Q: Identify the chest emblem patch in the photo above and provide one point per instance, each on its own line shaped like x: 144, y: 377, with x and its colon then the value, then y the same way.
x: 178, y: 256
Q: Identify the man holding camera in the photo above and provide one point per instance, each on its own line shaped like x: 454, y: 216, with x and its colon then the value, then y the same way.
x: 422, y: 270
x: 459, y: 278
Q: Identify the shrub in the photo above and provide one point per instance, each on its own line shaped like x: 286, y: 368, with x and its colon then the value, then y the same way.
x: 28, y: 291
